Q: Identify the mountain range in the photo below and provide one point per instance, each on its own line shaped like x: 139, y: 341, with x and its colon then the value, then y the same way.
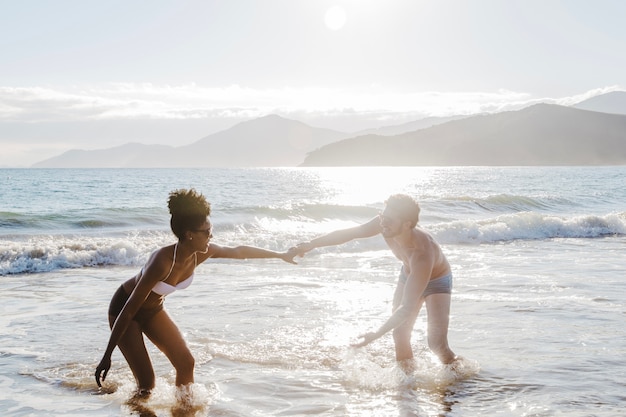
x: 267, y: 141
x: 592, y: 132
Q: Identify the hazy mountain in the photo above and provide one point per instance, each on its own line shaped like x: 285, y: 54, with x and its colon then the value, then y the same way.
x: 267, y: 141
x: 130, y: 155
x: 408, y: 127
x: 542, y: 134
x: 614, y: 102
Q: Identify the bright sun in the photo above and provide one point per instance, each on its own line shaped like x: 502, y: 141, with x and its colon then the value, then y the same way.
x: 335, y: 18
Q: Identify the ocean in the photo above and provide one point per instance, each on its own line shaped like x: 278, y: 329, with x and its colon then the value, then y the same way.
x: 538, y: 308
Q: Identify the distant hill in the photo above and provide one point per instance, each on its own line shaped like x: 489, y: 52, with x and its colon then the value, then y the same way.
x: 614, y: 103
x: 266, y: 141
x: 542, y: 134
x: 408, y: 127
x: 128, y: 155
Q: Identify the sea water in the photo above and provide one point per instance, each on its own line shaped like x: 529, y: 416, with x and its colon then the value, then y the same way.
x: 538, y: 255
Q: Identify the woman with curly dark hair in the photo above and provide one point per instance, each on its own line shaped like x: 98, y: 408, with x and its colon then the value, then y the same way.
x: 137, y: 306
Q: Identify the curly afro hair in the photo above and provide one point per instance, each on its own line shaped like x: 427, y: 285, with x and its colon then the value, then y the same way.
x: 189, y: 209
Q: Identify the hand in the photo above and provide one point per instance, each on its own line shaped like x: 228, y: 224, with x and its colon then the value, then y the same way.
x: 289, y: 255
x: 367, y: 339
x: 302, y: 248
x: 102, y: 370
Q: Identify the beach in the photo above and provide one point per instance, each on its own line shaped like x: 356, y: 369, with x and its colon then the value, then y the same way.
x: 538, y: 256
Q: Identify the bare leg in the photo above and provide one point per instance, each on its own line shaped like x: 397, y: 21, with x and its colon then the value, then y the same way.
x: 164, y: 333
x: 402, y: 333
x: 438, y: 310
x: 134, y: 350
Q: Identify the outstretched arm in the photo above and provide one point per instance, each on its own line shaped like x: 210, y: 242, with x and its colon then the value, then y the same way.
x: 246, y: 252
x: 421, y: 267
x: 338, y: 237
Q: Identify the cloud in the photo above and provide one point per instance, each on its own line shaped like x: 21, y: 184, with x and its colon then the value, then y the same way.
x: 569, y: 101
x: 144, y: 101
x: 40, y: 104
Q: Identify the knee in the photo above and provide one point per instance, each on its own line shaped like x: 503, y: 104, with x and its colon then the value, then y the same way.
x: 190, y: 362
x: 185, y: 363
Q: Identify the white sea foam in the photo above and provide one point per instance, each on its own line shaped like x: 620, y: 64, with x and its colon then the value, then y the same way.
x: 529, y: 225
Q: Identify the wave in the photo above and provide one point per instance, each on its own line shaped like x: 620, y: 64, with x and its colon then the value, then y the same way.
x: 501, y: 203
x: 432, y: 207
x: 104, y: 218
x: 141, y: 218
x: 530, y: 226
x: 232, y: 216
x: 44, y: 253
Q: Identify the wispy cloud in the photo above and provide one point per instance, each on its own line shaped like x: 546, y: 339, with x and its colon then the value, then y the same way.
x: 191, y: 101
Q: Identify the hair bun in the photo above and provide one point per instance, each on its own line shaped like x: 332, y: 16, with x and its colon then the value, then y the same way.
x: 188, y: 202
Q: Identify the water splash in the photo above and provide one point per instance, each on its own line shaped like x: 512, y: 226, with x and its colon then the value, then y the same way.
x: 424, y: 372
x: 192, y: 400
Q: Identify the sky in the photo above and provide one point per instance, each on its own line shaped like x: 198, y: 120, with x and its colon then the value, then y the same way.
x: 86, y: 74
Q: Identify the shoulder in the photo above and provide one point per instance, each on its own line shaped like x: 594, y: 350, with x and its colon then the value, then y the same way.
x: 423, y: 235
x: 164, y: 255
x: 214, y: 251
x: 160, y: 260
x: 423, y: 242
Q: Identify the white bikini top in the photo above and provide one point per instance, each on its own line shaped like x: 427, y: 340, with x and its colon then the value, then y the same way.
x: 163, y: 288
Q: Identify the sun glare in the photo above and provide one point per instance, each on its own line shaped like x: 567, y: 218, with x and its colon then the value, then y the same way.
x: 335, y: 18
x: 367, y: 185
